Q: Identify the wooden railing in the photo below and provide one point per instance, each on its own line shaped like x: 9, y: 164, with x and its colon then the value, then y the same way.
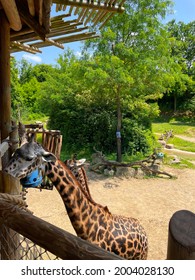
x: 53, y: 239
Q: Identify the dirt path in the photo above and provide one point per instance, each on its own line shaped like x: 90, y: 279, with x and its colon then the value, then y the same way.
x: 187, y: 138
x: 153, y: 201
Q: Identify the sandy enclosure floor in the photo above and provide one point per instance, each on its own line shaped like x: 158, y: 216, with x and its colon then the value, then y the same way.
x: 153, y: 201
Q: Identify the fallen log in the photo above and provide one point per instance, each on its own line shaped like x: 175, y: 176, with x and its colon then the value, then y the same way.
x: 146, y: 164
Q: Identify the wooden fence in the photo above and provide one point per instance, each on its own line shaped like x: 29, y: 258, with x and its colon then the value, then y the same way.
x: 51, y: 140
x: 53, y: 239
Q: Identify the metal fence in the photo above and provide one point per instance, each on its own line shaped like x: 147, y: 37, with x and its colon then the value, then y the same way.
x: 15, y: 246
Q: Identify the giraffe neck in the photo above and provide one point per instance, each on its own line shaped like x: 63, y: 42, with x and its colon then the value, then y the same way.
x: 80, y: 175
x: 80, y: 208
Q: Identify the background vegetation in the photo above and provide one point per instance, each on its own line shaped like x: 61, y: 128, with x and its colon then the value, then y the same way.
x: 138, y: 69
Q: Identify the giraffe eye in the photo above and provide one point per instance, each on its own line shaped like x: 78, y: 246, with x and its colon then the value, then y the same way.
x: 28, y: 158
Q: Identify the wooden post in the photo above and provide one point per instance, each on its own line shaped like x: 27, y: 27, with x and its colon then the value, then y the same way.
x: 7, y: 184
x: 181, y: 239
x: 5, y: 91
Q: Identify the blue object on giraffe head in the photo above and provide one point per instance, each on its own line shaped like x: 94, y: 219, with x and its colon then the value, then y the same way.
x: 33, y: 180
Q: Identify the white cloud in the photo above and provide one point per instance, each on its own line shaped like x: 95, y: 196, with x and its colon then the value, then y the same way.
x: 35, y: 58
x: 78, y: 54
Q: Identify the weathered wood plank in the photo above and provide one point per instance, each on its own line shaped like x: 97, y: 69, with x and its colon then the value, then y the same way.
x: 30, y: 20
x: 12, y: 14
x: 5, y: 90
x: 92, y: 5
x: 3, y: 149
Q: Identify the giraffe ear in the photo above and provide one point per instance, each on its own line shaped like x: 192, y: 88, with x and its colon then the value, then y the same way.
x: 49, y: 157
x: 80, y: 162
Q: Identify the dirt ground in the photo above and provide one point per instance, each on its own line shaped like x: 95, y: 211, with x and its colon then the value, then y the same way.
x: 153, y: 201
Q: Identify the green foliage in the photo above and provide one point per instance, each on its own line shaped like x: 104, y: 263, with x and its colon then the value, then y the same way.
x: 133, y: 63
x: 15, y: 88
x: 137, y: 138
x: 180, y: 93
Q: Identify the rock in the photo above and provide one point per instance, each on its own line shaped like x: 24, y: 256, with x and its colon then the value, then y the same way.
x: 109, y: 172
x: 96, y: 158
x: 122, y: 171
x: 175, y: 160
x: 169, y: 146
x: 139, y: 173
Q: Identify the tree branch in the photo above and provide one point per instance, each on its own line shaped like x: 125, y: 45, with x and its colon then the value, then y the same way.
x: 142, y: 163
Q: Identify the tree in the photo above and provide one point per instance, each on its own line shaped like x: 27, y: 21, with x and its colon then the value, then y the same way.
x: 181, y: 86
x: 134, y: 49
x: 15, y: 88
x: 25, y: 71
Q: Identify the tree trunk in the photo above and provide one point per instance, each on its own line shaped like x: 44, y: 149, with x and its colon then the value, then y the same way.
x: 174, y: 102
x: 118, y: 132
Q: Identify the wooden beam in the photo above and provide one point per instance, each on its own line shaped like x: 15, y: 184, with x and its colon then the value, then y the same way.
x: 25, y: 47
x: 54, y: 43
x: 67, y: 39
x: 54, y: 33
x: 24, y: 30
x: 5, y: 90
x: 106, y: 20
x: 46, y: 15
x: 31, y: 7
x: 30, y: 20
x: 57, y: 241
x: 40, y: 12
x: 91, y: 5
x: 60, y: 17
x: 12, y: 14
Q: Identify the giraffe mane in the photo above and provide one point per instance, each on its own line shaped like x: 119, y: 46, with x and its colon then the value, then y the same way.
x: 105, y: 208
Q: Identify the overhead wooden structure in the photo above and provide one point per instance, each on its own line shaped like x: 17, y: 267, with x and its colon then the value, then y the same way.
x: 26, y: 25
x: 32, y: 28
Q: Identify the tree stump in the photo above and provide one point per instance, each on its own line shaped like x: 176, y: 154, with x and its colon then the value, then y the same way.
x: 181, y: 239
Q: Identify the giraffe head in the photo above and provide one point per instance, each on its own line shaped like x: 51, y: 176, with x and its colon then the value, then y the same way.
x: 27, y: 158
x: 75, y: 164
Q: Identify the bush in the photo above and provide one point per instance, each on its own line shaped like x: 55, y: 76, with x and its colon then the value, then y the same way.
x: 91, y: 126
x: 136, y: 138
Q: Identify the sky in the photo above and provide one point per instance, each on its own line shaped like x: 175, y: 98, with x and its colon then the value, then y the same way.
x: 184, y: 10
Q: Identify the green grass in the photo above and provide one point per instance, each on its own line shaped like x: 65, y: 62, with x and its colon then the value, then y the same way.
x: 180, y: 128
x: 184, y: 163
x: 182, y: 144
x: 177, y: 127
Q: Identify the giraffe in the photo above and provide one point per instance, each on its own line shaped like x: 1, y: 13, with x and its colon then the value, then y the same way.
x: 91, y: 221
x: 76, y: 167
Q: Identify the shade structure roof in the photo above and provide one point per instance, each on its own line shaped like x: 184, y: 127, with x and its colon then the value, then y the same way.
x: 33, y: 28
